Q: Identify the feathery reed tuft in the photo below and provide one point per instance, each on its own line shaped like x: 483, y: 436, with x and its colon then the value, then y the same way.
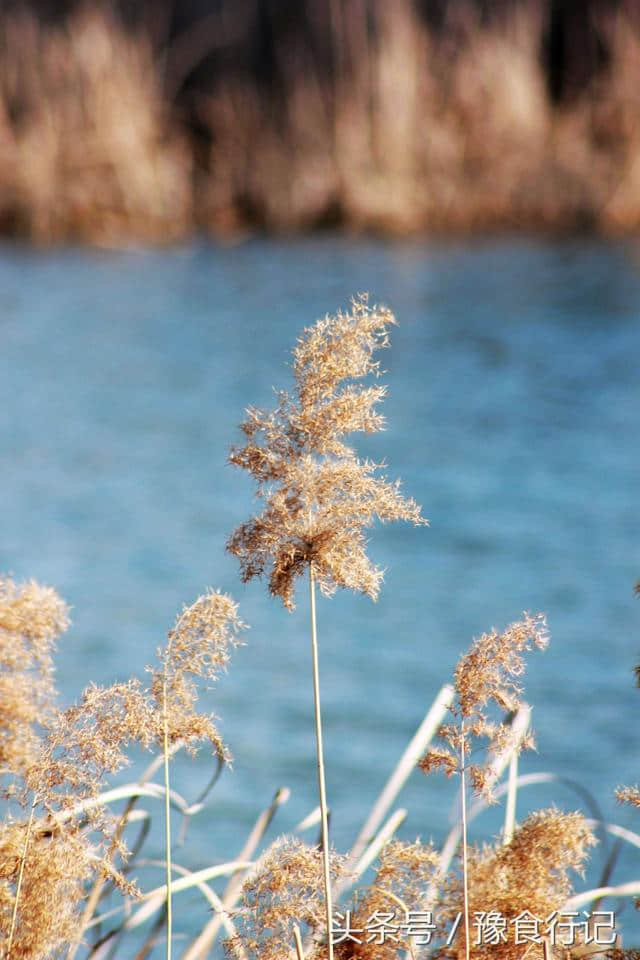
x: 31, y: 619
x: 399, y: 889
x: 487, y: 673
x: 197, y: 647
x: 528, y: 875
x: 58, y: 864
x: 319, y: 496
x: 284, y: 890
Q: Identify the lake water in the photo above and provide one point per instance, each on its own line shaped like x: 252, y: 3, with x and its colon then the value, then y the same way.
x: 513, y: 413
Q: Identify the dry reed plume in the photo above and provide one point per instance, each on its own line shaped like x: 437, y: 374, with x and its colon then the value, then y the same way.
x: 397, y: 891
x: 32, y: 617
x: 197, y: 647
x: 486, y: 673
x: 284, y: 890
x: 319, y: 496
x: 527, y: 876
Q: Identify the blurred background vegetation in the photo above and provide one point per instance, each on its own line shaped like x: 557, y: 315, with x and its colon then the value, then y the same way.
x: 144, y: 121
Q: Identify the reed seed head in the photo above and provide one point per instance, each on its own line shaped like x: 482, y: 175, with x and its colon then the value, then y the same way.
x: 198, y: 647
x: 628, y: 795
x: 32, y: 617
x: 55, y: 871
x: 318, y: 495
x: 399, y: 888
x: 285, y: 889
x: 199, y: 642
x: 487, y: 673
x: 531, y: 873
x: 87, y: 741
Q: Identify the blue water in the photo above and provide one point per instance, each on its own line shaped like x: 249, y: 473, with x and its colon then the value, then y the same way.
x: 513, y: 412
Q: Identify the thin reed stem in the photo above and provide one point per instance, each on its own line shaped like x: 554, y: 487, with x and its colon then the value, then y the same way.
x: 465, y: 878
x: 320, y: 760
x: 167, y: 808
x: 23, y: 858
x: 298, y: 942
x: 96, y: 891
x: 510, y: 811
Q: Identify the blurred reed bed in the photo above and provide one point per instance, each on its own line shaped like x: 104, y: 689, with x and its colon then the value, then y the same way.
x: 88, y: 149
x: 72, y: 847
x: 397, y: 126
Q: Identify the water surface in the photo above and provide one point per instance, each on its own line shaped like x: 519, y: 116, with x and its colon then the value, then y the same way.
x: 512, y: 418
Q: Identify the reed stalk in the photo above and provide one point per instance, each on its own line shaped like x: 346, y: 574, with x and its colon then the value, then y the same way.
x: 23, y: 858
x: 465, y: 872
x: 324, y: 819
x: 167, y: 810
x: 510, y: 811
x: 96, y: 891
x: 298, y: 942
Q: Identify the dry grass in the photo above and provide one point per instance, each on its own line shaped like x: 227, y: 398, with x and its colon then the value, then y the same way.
x: 528, y: 874
x: 422, y: 131
x: 403, y: 129
x: 87, y: 150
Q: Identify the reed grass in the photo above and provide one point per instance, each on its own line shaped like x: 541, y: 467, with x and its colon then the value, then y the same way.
x: 397, y: 127
x: 318, y: 495
x: 59, y: 842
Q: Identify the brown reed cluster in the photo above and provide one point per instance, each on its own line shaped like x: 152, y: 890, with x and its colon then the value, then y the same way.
x: 530, y: 874
x: 54, y: 760
x: 486, y: 674
x: 318, y: 495
x: 399, y: 888
x: 88, y: 149
x: 372, y: 119
x: 59, y: 864
x: 284, y: 890
x: 32, y: 617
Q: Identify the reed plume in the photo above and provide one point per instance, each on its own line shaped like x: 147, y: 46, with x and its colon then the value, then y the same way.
x: 527, y: 877
x: 318, y: 495
x: 32, y: 617
x: 62, y: 842
x: 284, y: 890
x: 51, y: 889
x: 398, y: 890
x: 485, y: 673
x: 197, y: 648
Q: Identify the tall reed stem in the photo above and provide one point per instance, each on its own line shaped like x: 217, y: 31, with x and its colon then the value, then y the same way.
x: 320, y: 759
x: 14, y: 915
x: 465, y: 878
x: 167, y: 810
